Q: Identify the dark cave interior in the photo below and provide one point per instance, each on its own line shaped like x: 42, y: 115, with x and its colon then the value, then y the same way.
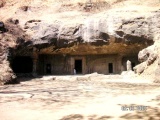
x: 22, y: 64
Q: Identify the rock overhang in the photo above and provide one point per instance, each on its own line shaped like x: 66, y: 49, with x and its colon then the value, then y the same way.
x: 97, y: 33
x: 109, y: 34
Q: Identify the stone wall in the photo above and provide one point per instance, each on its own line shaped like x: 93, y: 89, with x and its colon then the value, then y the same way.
x: 65, y: 64
x: 58, y: 64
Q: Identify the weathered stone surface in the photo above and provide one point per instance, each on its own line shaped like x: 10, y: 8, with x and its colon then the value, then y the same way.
x: 157, y: 72
x: 104, y: 31
x: 151, y: 58
x: 140, y: 68
x: 2, y: 27
x: 134, y: 30
x: 112, y: 32
x: 61, y: 98
x: 2, y: 3
x: 129, y: 66
x: 9, y: 36
x: 144, y: 54
x: 83, y: 78
x: 148, y: 54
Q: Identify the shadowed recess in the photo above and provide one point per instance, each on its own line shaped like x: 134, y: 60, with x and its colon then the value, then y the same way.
x: 22, y: 64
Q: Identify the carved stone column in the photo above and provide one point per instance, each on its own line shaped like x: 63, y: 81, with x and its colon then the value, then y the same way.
x: 35, y: 62
x: 129, y: 65
x: 119, y: 64
x: 72, y: 66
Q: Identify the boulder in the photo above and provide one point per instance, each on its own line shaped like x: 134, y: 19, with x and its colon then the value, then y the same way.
x: 157, y: 72
x: 144, y: 54
x: 140, y: 68
x: 152, y: 57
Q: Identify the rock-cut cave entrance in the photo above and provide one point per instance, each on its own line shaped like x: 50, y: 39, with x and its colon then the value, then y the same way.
x: 22, y: 64
x: 48, y: 68
x: 78, y: 66
x: 110, y: 67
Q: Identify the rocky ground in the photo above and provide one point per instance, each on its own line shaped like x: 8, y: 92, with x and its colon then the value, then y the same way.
x: 79, y: 98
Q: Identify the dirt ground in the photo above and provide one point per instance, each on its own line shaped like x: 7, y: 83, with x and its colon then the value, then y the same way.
x: 77, y: 98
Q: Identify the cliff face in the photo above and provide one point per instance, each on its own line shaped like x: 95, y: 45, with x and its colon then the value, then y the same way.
x: 57, y: 27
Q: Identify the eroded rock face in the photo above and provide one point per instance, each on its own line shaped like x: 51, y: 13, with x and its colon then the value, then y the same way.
x: 108, y: 33
x: 108, y: 29
x: 157, y: 72
x: 2, y: 27
x: 6, y: 73
x: 9, y: 36
x: 113, y: 29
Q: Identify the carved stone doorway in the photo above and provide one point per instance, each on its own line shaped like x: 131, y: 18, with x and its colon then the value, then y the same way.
x: 48, y: 68
x: 78, y: 66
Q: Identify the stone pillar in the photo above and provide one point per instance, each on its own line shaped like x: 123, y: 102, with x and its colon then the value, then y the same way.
x: 72, y: 66
x: 129, y: 65
x: 35, y: 61
x: 84, y: 65
x: 119, y: 64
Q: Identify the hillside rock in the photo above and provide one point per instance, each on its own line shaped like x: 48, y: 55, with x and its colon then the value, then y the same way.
x: 107, y: 29
x: 6, y: 73
x: 9, y: 37
x: 111, y: 32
